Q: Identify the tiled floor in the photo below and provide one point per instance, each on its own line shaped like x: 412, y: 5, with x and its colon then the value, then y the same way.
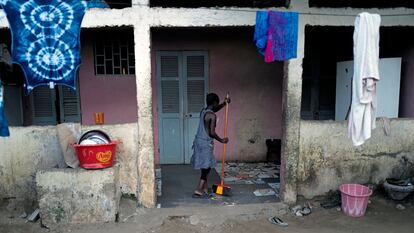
x: 179, y: 181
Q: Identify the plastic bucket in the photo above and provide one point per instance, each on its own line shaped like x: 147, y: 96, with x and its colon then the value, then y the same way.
x: 354, y: 199
x: 96, y: 156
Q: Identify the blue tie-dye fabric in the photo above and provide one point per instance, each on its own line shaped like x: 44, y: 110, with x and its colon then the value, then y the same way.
x: 97, y: 4
x: 45, y: 36
x: 4, y: 129
x: 261, y: 31
x: 276, y: 35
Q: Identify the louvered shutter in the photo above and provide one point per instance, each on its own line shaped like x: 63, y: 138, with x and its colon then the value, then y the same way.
x: 43, y: 106
x: 170, y: 84
x: 196, y: 86
x: 170, y: 111
x: 69, y: 105
x: 196, y: 72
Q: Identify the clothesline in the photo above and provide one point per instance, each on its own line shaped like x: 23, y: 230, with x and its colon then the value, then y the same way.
x: 301, y: 13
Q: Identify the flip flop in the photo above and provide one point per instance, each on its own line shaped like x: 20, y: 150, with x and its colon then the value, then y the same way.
x: 277, y: 221
x: 202, y: 196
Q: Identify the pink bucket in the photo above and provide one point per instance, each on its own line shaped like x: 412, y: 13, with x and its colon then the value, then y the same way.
x: 354, y: 199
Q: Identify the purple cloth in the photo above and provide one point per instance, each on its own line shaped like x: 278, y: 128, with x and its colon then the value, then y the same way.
x: 280, y: 33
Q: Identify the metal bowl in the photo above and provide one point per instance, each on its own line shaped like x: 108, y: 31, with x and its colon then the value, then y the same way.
x: 94, y: 137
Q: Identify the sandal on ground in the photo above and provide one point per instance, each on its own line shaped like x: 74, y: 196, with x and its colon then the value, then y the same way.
x: 278, y: 221
x: 203, y: 195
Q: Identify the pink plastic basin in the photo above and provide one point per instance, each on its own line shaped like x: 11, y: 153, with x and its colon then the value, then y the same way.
x: 354, y: 199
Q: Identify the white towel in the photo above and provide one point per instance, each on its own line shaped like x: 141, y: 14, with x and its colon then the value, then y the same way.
x: 366, y: 74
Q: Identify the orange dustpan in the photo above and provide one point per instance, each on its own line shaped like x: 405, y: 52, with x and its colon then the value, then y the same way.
x: 221, y: 188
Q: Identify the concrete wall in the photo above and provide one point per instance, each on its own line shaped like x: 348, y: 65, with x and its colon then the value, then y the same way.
x: 30, y: 149
x: 328, y: 158
x: 236, y: 67
x: 114, y: 95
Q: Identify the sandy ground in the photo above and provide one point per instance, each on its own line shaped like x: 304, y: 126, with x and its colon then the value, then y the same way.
x: 382, y: 216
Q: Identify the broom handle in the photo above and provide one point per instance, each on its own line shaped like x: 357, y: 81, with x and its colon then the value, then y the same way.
x: 226, y: 122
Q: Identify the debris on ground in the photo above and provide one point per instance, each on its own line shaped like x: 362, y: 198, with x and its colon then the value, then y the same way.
x: 300, y: 211
x: 194, y: 220
x: 400, y: 207
x: 248, y: 173
x: 158, y: 181
x: 264, y: 192
x: 298, y: 214
x: 296, y: 208
x: 34, y: 216
x: 275, y: 186
x: 228, y: 203
x: 24, y: 215
x: 253, y: 173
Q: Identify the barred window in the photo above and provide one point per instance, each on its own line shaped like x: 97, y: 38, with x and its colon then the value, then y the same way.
x: 114, y: 52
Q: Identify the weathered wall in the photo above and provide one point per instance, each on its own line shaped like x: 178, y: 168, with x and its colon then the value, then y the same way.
x: 328, y: 158
x: 114, y: 95
x: 30, y: 149
x: 236, y: 67
x: 76, y: 196
x: 27, y: 150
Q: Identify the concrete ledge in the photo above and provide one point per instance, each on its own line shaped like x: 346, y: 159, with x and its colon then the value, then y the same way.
x: 70, y: 196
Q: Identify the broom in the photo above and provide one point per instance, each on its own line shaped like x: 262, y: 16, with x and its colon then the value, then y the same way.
x: 222, y: 189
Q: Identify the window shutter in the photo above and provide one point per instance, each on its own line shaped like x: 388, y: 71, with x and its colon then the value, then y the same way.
x: 170, y: 96
x: 169, y: 67
x: 195, y: 66
x: 43, y: 106
x: 170, y: 84
x: 196, y: 70
x: 69, y: 105
x: 195, y: 92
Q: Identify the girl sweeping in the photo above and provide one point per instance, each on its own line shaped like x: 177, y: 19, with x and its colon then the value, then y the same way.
x: 203, y: 145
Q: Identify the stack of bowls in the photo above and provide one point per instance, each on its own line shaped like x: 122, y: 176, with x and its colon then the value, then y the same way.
x: 94, y: 137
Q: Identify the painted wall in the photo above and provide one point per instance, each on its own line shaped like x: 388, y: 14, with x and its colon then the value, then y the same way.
x: 237, y: 67
x: 113, y: 95
x: 41, y: 150
x: 328, y: 159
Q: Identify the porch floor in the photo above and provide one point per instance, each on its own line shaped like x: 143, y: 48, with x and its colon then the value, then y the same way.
x: 179, y: 181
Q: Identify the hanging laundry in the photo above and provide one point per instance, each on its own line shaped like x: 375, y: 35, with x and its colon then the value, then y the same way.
x: 97, y: 4
x: 276, y: 35
x: 4, y: 129
x: 46, y: 39
x: 261, y: 30
x: 366, y: 73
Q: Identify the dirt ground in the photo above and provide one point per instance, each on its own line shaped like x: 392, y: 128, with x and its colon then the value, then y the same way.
x: 382, y: 216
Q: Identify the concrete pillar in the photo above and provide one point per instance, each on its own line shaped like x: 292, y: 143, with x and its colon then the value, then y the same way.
x: 292, y: 95
x: 140, y: 3
x: 146, y: 169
